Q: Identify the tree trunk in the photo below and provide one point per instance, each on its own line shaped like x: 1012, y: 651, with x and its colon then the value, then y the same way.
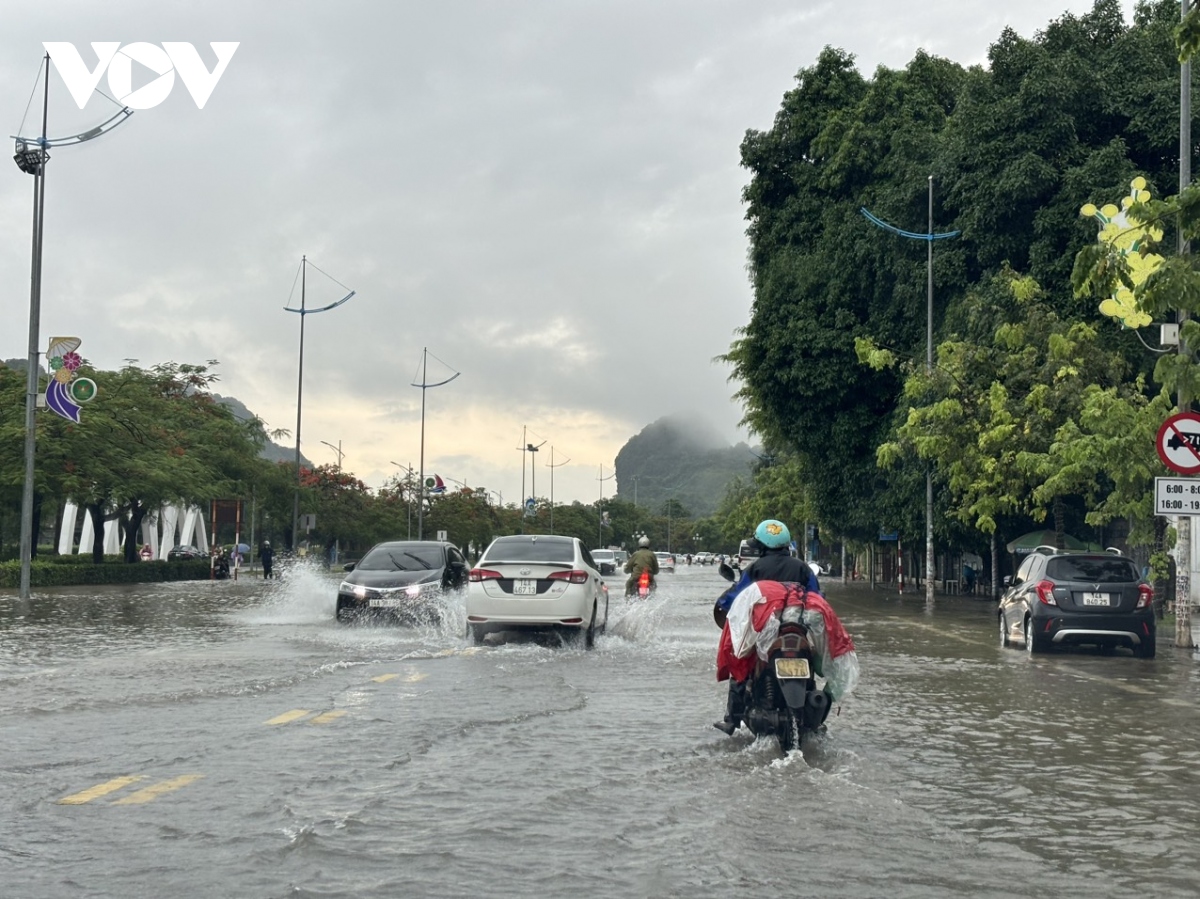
x: 995, y: 568
x: 1060, y: 531
x: 96, y: 511
x: 132, y: 528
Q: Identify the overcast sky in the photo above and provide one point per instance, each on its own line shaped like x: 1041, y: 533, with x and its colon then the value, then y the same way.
x: 545, y: 194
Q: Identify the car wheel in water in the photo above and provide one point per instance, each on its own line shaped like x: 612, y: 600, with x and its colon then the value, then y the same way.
x: 1033, y: 644
x: 589, y: 636
x: 1004, y: 641
x: 1145, y: 649
x: 345, y: 614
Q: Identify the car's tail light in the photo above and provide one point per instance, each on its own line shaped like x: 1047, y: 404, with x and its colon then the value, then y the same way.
x: 483, y: 574
x: 1145, y: 596
x: 1045, y: 592
x: 571, y: 577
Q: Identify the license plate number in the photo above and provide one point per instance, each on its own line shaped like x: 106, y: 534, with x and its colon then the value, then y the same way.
x: 525, y: 587
x: 389, y: 603
x: 1095, y: 599
x: 792, y: 668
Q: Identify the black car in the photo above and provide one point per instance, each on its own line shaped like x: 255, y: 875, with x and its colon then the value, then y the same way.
x: 183, y: 553
x: 1061, y: 598
x: 402, y: 578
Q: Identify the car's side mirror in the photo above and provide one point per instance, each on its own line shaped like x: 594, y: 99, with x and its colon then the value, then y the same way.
x: 349, y: 566
x: 726, y: 572
x: 1007, y: 580
x: 457, y: 566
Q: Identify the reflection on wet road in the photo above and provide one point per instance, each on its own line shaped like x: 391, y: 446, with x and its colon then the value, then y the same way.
x: 233, y: 740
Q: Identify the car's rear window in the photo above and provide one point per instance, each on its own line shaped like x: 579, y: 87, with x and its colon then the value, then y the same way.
x: 605, y: 554
x: 1091, y: 569
x: 526, y: 549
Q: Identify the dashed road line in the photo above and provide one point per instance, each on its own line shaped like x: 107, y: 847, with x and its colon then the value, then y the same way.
x: 109, y: 786
x: 288, y: 717
x: 152, y: 792
x: 384, y: 678
x: 326, y: 717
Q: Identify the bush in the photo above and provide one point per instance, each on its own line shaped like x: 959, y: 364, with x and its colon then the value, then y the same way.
x: 45, y: 573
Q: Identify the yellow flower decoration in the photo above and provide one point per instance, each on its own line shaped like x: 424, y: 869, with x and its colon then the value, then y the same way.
x: 1133, y: 240
x: 64, y: 375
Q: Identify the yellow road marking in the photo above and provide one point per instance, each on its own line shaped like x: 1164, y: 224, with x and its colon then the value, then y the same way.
x: 416, y: 677
x: 384, y: 678
x: 289, y: 717
x: 100, y: 790
x: 328, y: 716
x: 153, y: 791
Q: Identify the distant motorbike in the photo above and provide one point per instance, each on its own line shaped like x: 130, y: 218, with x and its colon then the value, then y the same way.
x: 782, y: 697
x: 220, y: 567
x: 644, y: 587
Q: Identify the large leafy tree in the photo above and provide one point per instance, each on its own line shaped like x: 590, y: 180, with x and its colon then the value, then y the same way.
x: 1015, y: 149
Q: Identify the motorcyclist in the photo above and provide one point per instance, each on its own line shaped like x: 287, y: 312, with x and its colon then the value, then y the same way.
x: 776, y: 563
x: 641, y: 560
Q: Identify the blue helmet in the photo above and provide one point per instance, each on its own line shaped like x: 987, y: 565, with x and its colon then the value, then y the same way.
x: 772, y: 534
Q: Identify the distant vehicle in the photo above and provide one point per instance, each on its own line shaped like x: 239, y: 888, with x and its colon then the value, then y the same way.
x: 666, y: 562
x: 1059, y: 598
x: 622, y: 557
x: 606, y: 559
x: 401, y: 578
x: 817, y: 568
x: 183, y: 553
x: 537, y: 582
x: 703, y: 558
x: 748, y: 552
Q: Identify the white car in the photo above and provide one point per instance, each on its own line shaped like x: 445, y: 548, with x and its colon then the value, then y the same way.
x: 666, y: 562
x: 537, y: 582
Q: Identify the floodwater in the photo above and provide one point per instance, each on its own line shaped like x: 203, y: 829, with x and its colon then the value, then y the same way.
x: 232, y: 740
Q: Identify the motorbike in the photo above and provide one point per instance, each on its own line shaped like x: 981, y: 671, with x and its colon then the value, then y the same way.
x: 644, y: 586
x: 781, y: 697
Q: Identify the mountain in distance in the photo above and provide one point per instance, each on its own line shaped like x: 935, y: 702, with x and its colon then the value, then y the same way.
x: 680, y: 457
x: 272, y: 451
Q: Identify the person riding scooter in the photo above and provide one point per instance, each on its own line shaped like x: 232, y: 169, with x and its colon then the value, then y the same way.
x: 641, y: 560
x: 775, y: 563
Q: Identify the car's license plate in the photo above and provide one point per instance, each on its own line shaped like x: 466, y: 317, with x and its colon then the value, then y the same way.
x: 525, y: 587
x: 1095, y: 599
x: 792, y: 668
x: 391, y: 602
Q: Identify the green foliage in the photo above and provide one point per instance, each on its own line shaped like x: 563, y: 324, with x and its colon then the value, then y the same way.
x: 831, y: 364
x: 51, y: 574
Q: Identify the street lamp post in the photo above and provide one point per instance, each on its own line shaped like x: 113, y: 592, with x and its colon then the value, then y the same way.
x: 337, y: 449
x: 407, y: 492
x: 553, y: 466
x: 600, y: 507
x: 31, y: 157
x: 302, y: 312
x: 929, y: 237
x: 425, y: 385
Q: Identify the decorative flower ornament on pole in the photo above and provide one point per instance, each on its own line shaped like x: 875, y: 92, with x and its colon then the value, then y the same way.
x: 1133, y: 240
x: 65, y: 392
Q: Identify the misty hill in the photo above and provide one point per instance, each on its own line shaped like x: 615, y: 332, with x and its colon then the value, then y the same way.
x: 272, y: 452
x: 682, y: 458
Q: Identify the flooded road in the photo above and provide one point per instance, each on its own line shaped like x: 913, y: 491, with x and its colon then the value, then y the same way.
x: 230, y: 739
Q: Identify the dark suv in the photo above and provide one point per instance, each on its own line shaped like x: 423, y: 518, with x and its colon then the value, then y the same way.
x: 1059, y: 598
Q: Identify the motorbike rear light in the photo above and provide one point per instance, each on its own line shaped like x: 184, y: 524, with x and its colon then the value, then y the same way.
x: 476, y: 575
x: 1145, y: 596
x: 1045, y: 592
x: 572, y: 577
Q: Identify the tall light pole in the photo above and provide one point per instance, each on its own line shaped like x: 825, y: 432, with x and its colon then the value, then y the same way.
x: 531, y: 448
x: 302, y: 312
x: 31, y: 157
x: 407, y: 492
x: 552, y: 466
x: 425, y: 385
x: 929, y: 237
x: 337, y: 449
x: 1183, y: 524
x: 600, y: 506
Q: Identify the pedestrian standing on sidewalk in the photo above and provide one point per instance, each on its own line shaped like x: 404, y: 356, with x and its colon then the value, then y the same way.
x: 267, y: 555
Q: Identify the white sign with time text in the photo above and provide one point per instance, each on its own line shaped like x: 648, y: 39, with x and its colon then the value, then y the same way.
x: 1177, y: 496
